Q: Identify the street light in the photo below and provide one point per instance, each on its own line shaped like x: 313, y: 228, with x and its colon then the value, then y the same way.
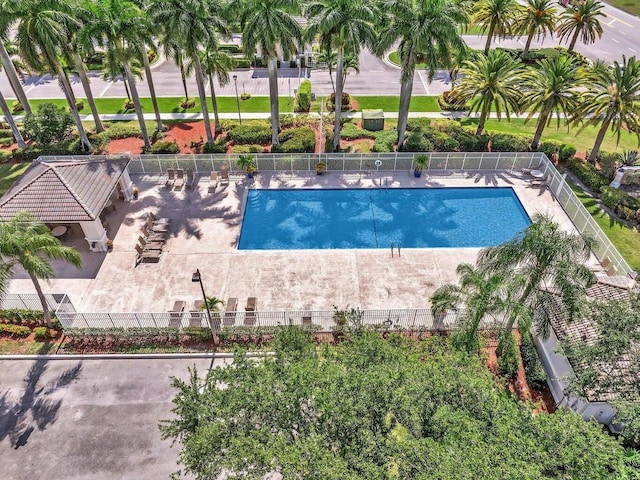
x: 235, y: 81
x: 196, y: 277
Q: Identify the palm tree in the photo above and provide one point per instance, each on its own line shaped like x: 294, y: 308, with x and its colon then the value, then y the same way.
x: 581, y: 20
x: 630, y: 158
x: 479, y: 293
x: 495, y: 17
x: 426, y: 29
x: 6, y: 112
x: 537, y: 17
x: 118, y: 26
x: 347, y: 24
x: 27, y: 242
x: 193, y: 24
x: 269, y: 25
x: 142, y: 52
x: 491, y: 81
x: 216, y: 63
x: 611, y: 101
x: 43, y: 27
x: 330, y: 57
x: 550, y: 88
x: 545, y: 264
x: 7, y: 62
x: 171, y: 50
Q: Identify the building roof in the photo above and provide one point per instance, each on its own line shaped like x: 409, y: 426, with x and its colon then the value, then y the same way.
x: 64, y: 190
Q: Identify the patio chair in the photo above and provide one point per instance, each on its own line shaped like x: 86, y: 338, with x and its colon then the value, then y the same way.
x: 171, y: 178
x: 250, y: 315
x: 230, y: 312
x: 159, y: 220
x: 224, y: 175
x: 163, y: 228
x: 175, y: 314
x: 147, y: 256
x: 195, y: 315
x: 150, y: 245
x: 179, y: 179
x: 191, y: 179
x: 213, y: 182
x: 152, y: 236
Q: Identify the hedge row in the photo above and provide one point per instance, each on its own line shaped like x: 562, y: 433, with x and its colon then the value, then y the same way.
x: 302, y: 101
x: 15, y: 330
x: 620, y: 202
x: 250, y: 133
x: 296, y: 140
x: 588, y: 174
x: 28, y: 318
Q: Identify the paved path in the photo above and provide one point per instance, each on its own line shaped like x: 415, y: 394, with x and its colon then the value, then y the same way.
x: 87, y: 419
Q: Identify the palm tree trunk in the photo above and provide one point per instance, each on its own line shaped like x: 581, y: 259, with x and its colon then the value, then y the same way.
x: 9, y: 119
x: 136, y: 103
x: 599, y: 139
x: 12, y: 75
x: 273, y: 99
x: 43, y: 300
x: 82, y: 73
x: 214, y: 101
x: 183, y: 77
x: 203, y: 98
x: 542, y: 122
x: 126, y: 86
x: 66, y: 88
x: 152, y: 88
x: 338, y: 100
x: 333, y: 85
x: 406, y: 88
x: 482, y: 120
x: 574, y: 39
x: 487, y: 46
x: 529, y: 39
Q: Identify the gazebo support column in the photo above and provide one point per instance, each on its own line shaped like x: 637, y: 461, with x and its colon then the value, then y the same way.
x: 95, y: 235
x: 126, y: 185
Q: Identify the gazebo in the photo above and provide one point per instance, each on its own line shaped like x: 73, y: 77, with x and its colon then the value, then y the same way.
x: 70, y: 190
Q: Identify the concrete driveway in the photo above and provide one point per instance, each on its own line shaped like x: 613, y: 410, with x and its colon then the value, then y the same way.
x: 88, y: 419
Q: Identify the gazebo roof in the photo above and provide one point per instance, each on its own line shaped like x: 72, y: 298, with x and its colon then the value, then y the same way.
x: 64, y: 190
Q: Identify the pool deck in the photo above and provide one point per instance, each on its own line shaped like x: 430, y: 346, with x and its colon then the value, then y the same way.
x: 205, y: 232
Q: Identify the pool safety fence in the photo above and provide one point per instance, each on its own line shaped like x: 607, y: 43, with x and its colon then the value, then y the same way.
x: 26, y: 301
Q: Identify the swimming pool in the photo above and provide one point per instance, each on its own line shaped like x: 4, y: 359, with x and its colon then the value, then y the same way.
x: 378, y: 218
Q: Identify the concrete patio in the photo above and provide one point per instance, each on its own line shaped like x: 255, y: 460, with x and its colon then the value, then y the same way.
x: 205, y: 231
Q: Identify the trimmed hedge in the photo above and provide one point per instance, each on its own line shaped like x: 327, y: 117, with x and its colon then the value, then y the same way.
x: 505, y: 142
x: 302, y: 101
x: 350, y: 131
x: 247, y: 149
x: 170, y: 147
x: 15, y: 330
x: 385, y: 141
x: 331, y: 99
x: 216, y: 147
x: 44, y: 333
x: 116, y: 131
x: 296, y: 140
x: 417, y: 142
x: 620, y: 202
x: 443, y: 142
x: 251, y: 133
x: 588, y: 174
x: 469, y: 142
x: 535, y: 374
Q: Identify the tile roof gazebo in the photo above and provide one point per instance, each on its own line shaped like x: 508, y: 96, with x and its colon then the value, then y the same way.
x: 69, y: 190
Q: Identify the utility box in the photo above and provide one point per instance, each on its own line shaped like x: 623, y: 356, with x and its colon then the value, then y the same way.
x: 373, y: 120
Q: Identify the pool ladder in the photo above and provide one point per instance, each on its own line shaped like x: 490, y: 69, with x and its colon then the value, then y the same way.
x: 398, y: 246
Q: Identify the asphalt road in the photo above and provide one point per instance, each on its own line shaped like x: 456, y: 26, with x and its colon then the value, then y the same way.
x: 88, y: 419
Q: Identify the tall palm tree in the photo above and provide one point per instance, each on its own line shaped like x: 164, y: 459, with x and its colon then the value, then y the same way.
x: 426, y: 29
x: 544, y: 264
x: 330, y: 57
x: 142, y: 52
x: 269, y: 26
x: 550, y: 88
x: 29, y: 243
x: 479, y: 293
x: 495, y: 18
x: 170, y: 49
x: 8, y: 117
x: 582, y: 20
x: 9, y: 67
x: 216, y: 63
x: 118, y: 26
x: 193, y: 24
x: 43, y: 27
x: 347, y: 24
x: 536, y: 18
x: 491, y: 81
x: 611, y: 102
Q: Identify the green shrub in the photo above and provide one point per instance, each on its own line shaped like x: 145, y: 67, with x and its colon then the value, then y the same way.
x: 417, y: 142
x: 620, y: 202
x: 588, y: 174
x: 170, y: 147
x: 198, y: 334
x: 132, y: 333
x: 296, y: 140
x: 450, y: 127
x: 443, y: 142
x: 449, y: 101
x: 469, y: 142
x: 567, y: 152
x: 300, y: 120
x: 331, y: 99
x: 187, y: 103
x: 507, y: 353
x: 44, y: 333
x: 505, y: 142
x: 6, y: 134
x: 48, y: 124
x: 15, y: 330
x: 219, y: 146
x: 128, y: 104
x: 247, y: 149
x: 116, y: 131
x: 30, y: 153
x: 251, y: 133
x: 242, y: 62
x: 608, y: 162
x: 230, y: 47
x: 536, y: 376
x: 302, y: 101
x: 30, y: 318
x: 549, y: 147
x: 351, y: 132
x: 5, y: 156
x: 245, y: 96
x: 385, y: 141
x: 625, y: 213
x: 6, y: 142
x: 16, y: 107
x: 418, y: 125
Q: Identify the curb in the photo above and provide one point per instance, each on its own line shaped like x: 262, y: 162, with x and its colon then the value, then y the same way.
x: 130, y: 356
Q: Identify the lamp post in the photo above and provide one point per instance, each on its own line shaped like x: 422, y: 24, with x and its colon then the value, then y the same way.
x: 196, y: 277
x: 235, y: 81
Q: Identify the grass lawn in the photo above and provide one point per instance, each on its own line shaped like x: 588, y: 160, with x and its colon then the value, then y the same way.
x: 631, y: 6
x: 9, y: 172
x: 26, y: 347
x: 625, y: 239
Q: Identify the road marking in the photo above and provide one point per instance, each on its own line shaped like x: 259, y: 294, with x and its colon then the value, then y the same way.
x: 616, y: 19
x: 376, y: 71
x: 109, y: 85
x: 521, y: 42
x: 617, y: 41
x: 632, y: 50
x: 423, y: 82
x: 622, y: 32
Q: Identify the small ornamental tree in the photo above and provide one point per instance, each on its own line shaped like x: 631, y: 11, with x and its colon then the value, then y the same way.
x: 49, y: 124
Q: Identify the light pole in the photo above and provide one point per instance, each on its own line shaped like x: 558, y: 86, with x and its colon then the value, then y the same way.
x: 235, y: 81
x: 196, y: 277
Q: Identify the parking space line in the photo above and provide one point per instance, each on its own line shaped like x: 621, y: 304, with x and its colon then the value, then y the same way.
x: 424, y: 84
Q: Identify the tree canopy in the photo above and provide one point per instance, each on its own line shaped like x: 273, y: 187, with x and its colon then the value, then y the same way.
x: 371, y: 408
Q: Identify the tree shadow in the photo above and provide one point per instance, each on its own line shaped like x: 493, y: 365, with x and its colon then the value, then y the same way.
x: 34, y: 409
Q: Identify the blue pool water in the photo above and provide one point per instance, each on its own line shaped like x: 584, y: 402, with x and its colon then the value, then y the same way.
x: 377, y: 218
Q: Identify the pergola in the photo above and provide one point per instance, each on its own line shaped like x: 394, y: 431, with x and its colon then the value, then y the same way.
x: 63, y: 191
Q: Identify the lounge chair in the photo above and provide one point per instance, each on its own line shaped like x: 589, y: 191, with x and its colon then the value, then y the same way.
x: 150, y: 245
x: 224, y: 175
x: 191, y: 179
x: 213, y: 182
x: 175, y: 314
x: 147, y: 256
x: 179, y: 179
x: 171, y: 178
x: 162, y: 228
x: 230, y: 312
x: 250, y: 315
x: 195, y: 315
x: 153, y: 236
x: 159, y: 220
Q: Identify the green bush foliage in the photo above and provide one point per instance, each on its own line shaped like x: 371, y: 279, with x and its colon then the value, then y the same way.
x: 251, y: 133
x: 505, y: 142
x: 165, y: 147
x: 535, y: 374
x: 5, y: 156
x: 247, y: 149
x: 385, y: 141
x: 48, y: 124
x: 469, y: 142
x: 567, y: 152
x: 29, y: 318
x: 331, y: 100
x: 219, y: 146
x: 198, y: 334
x: 6, y: 142
x: 242, y: 62
x: 442, y: 142
x: 42, y: 333
x: 608, y: 164
x: 588, y: 174
x: 302, y: 101
x: 508, y: 357
x: 296, y: 140
x: 549, y: 147
x: 123, y: 130
x: 418, y: 124
x: 66, y: 147
x: 620, y: 202
x: 417, y: 142
x: 15, y: 330
x: 350, y: 131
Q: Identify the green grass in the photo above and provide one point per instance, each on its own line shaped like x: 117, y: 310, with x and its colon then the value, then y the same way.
x: 625, y: 239
x: 631, y: 6
x: 9, y: 172
x: 390, y: 103
x: 26, y: 347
